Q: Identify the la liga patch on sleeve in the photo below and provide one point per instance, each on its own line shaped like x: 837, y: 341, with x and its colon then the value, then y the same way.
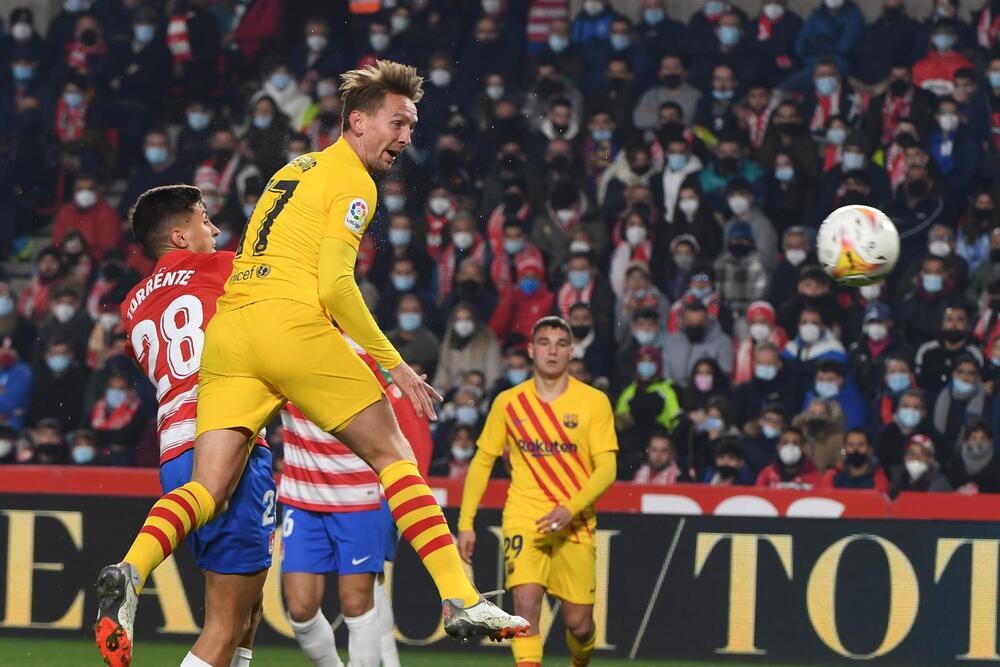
x: 357, y: 213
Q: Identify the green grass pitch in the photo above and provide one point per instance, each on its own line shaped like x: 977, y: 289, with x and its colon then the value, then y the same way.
x: 82, y: 653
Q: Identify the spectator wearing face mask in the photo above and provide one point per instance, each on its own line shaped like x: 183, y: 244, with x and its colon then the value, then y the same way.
x: 679, y: 175
x: 49, y: 272
x: 974, y: 227
x: 702, y: 288
x: 193, y: 142
x: 792, y: 469
x: 813, y: 290
x: 83, y: 448
x: 267, y: 134
x: 888, y: 388
x: 941, y: 244
x: 936, y: 71
x: 467, y: 345
x: 566, y: 212
x: 521, y: 306
x: 416, y: 343
x: 589, y: 344
x: 775, y: 31
x: 283, y: 90
x: 16, y: 381
x: 659, y: 467
x: 717, y: 110
x: 516, y: 369
x: 771, y: 383
x: 910, y: 418
x: 878, y: 344
x: 834, y: 182
x: 49, y: 444
x: 988, y: 272
x: 901, y: 100
x: 632, y: 166
x: 859, y: 468
x: 455, y: 463
x: 68, y: 321
x: 917, y: 206
x: 158, y: 168
x: 22, y: 34
x: 671, y: 86
x: 92, y: 216
x: 762, y: 327
x: 832, y: 384
x: 790, y: 193
x: 466, y: 242
x: 961, y: 402
x: 60, y: 382
x: 676, y: 261
x: 976, y: 469
x: 635, y: 245
x: 118, y: 419
x: 728, y: 466
x: 565, y: 55
x: 730, y: 164
x: 954, y: 148
x: 592, y: 25
x: 920, y: 472
x: 15, y: 331
x: 317, y: 55
x: 741, y: 202
x: 700, y: 336
x: 796, y: 252
x: 463, y: 409
x: 822, y: 422
x: 645, y: 331
x: 813, y: 344
x: 649, y: 402
x: 8, y: 445
x: 761, y: 437
x: 740, y: 270
x: 937, y: 358
x: 78, y: 260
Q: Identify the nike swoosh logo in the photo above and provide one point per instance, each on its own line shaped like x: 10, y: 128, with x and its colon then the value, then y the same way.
x: 359, y: 561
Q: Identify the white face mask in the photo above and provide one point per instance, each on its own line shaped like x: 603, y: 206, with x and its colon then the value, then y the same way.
x: 579, y: 246
x: 916, y: 469
x: 440, y: 77
x: 325, y: 88
x: 593, y: 7
x: 399, y: 23
x: 464, y: 327
x: 759, y: 331
x: 948, y: 122
x: 5, y: 447
x: 688, y: 206
x: 21, y: 31
x: 877, y: 331
x: 316, y: 42
x: 63, y: 312
x: 790, y: 454
x: 463, y: 240
x: 108, y: 320
x: 379, y: 41
x: 439, y: 205
x: 462, y: 454
x: 795, y: 256
x: 494, y: 92
x: 738, y: 204
x: 869, y: 292
x: 833, y: 4
x: 809, y: 332
x: 635, y: 235
x: 939, y: 248
x: 85, y: 198
x: 565, y: 214
x: 773, y: 11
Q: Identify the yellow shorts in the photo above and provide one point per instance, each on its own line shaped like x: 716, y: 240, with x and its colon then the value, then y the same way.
x: 263, y: 354
x: 565, y: 563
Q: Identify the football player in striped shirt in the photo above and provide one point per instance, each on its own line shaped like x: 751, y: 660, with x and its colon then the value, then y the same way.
x: 563, y: 456
x: 336, y: 520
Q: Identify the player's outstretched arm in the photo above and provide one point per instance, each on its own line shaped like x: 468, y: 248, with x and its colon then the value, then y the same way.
x: 603, y: 476
x: 417, y: 389
x: 475, y: 485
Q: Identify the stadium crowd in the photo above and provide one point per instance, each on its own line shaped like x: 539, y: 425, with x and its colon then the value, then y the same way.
x: 658, y: 183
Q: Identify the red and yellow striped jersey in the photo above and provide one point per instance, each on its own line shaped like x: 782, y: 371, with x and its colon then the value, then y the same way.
x: 552, y: 445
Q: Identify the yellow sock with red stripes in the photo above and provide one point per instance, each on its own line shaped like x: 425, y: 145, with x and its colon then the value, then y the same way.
x: 580, y: 651
x: 528, y: 651
x: 419, y: 518
x: 185, y: 509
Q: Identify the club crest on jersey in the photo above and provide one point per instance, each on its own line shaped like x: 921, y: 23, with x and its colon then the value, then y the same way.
x: 571, y: 420
x: 357, y: 212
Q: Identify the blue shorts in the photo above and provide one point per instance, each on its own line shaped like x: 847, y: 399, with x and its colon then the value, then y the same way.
x: 242, y: 539
x: 341, y: 542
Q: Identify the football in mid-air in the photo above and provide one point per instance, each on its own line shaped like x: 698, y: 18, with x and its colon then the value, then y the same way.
x: 857, y: 245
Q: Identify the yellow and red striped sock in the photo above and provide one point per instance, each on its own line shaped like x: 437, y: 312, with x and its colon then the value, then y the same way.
x: 185, y: 509
x: 527, y: 651
x: 418, y: 516
x: 580, y: 651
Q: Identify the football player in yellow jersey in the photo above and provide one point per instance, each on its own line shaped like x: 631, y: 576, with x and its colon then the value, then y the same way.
x: 563, y: 456
x: 272, y: 341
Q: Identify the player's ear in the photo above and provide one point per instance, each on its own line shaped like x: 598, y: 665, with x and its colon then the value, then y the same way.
x: 357, y: 122
x: 531, y: 351
x: 176, y: 238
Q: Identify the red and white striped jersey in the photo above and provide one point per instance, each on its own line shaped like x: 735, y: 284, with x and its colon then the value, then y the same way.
x: 165, y: 318
x: 322, y: 475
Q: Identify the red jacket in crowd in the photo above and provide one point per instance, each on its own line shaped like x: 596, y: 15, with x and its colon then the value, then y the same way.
x: 100, y: 225
x: 773, y: 477
x: 517, y: 313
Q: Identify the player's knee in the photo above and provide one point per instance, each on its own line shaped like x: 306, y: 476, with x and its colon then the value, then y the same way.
x: 581, y: 627
x: 301, y: 610
x: 356, y: 605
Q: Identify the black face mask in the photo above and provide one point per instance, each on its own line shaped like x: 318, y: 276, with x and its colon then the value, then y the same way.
x: 580, y: 332
x: 816, y: 423
x: 995, y: 254
x: 853, y: 197
x: 223, y: 154
x: 671, y: 80
x: 729, y: 165
x: 328, y: 119
x: 739, y: 249
x: 983, y: 214
x: 788, y: 128
x: 560, y: 163
x: 448, y: 161
x: 512, y: 202
x: 560, y: 129
x: 917, y: 189
x: 548, y: 87
x: 695, y: 332
x: 88, y: 37
x: 893, y: 12
x: 953, y: 335
x: 856, y: 459
x: 726, y: 472
x: 898, y: 87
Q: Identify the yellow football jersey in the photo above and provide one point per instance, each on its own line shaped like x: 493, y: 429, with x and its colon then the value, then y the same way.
x: 315, y: 196
x: 552, y: 445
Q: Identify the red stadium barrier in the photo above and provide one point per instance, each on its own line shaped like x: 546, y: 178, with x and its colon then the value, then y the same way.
x: 685, y: 499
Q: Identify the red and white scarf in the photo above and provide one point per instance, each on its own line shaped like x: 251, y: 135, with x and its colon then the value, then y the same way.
x: 119, y: 418
x: 77, y: 54
x: 893, y: 109
x: 987, y: 28
x: 826, y: 106
x: 757, y: 123
x: 569, y: 295
x: 436, y: 224
x: 832, y: 155
x: 646, y: 475
x: 70, y: 121
x: 765, y: 28
x: 494, y: 226
x: 447, y: 264
x: 177, y: 38
x: 895, y: 165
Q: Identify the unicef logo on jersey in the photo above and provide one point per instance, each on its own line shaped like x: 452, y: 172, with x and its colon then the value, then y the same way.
x: 357, y: 212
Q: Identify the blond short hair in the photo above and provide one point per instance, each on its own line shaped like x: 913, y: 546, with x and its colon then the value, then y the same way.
x: 364, y: 89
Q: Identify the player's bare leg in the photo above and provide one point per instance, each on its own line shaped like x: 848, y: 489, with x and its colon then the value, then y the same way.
x: 579, y: 619
x: 244, y: 652
x: 219, y: 459
x: 374, y: 435
x: 528, y: 600
x: 303, y: 593
x: 230, y: 600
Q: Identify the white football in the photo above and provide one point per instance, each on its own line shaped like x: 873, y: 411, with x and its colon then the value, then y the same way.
x: 857, y: 245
